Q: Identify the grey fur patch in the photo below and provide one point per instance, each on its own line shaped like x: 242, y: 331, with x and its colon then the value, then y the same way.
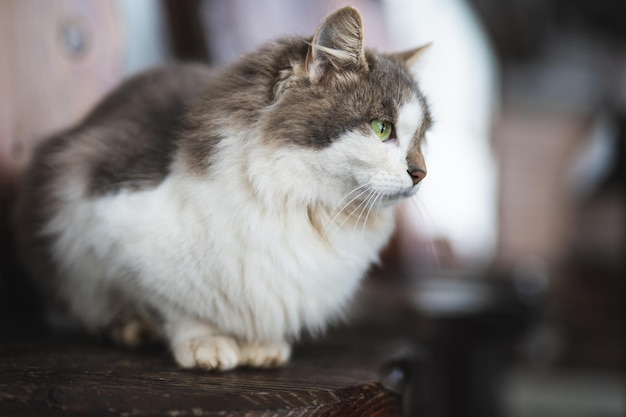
x: 130, y: 139
x: 316, y: 115
x: 136, y: 129
x: 33, y: 207
x: 127, y: 142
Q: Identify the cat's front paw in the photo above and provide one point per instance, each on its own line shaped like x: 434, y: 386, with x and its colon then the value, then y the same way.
x: 265, y: 355
x: 208, y: 352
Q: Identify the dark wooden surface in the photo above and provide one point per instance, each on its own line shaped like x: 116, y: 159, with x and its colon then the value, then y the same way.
x: 84, y: 378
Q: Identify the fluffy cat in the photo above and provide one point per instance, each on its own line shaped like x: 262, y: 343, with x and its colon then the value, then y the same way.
x: 226, y: 212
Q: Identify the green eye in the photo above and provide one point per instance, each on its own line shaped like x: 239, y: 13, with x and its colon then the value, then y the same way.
x: 382, y: 129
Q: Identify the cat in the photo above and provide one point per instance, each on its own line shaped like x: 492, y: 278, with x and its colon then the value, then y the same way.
x: 227, y: 211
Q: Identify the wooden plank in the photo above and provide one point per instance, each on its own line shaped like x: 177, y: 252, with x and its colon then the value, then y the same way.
x: 74, y: 378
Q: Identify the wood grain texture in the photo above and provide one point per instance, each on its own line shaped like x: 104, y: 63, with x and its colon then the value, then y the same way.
x: 83, y: 378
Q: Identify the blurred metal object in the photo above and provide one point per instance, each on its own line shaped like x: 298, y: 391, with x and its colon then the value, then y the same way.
x: 474, y: 325
x: 412, y: 377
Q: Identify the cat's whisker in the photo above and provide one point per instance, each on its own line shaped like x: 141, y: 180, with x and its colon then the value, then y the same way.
x: 377, y: 197
x: 365, y: 207
x: 340, y: 210
x: 362, y: 204
x: 332, y: 222
x: 371, y: 202
x: 427, y: 223
x: 348, y: 194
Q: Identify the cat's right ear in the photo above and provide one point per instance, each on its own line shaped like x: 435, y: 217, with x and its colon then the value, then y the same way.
x: 337, y: 45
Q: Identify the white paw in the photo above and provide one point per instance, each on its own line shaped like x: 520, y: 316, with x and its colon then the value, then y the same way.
x: 265, y: 355
x: 208, y: 352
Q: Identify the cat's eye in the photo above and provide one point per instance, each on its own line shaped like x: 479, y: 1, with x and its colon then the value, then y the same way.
x: 382, y: 129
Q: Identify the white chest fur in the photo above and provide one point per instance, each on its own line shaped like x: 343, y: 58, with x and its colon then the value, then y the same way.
x: 211, y: 250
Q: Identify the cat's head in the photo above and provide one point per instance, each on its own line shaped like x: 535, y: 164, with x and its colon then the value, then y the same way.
x: 353, y: 120
x: 358, y: 115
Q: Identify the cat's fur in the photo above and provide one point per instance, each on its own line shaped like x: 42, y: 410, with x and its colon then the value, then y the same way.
x: 227, y: 211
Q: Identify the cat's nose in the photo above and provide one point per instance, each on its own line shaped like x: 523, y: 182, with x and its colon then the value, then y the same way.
x: 417, y: 175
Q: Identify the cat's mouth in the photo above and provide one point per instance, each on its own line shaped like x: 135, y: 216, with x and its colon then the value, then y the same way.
x: 393, y: 198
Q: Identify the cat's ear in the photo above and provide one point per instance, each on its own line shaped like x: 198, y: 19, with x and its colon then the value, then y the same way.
x: 337, y: 45
x: 408, y: 58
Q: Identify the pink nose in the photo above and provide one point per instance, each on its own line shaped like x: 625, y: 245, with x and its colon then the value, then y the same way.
x: 417, y: 175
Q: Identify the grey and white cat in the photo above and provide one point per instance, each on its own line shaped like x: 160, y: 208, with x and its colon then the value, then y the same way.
x: 228, y: 211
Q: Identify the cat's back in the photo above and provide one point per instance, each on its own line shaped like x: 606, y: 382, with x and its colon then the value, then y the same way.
x: 129, y: 139
x: 126, y: 142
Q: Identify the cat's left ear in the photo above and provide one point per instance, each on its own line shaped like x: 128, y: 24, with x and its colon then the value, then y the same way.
x: 410, y: 59
x: 337, y: 45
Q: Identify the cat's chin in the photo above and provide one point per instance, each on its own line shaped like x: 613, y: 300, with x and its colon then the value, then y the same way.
x: 393, y: 199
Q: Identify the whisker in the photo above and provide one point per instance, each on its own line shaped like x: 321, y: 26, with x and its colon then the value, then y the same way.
x: 430, y: 231
x: 368, y: 190
x: 339, y: 211
x: 370, y: 198
x: 380, y: 201
x: 357, y: 208
x: 347, y: 195
x: 378, y: 196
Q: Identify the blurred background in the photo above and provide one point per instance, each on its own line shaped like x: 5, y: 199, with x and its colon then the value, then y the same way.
x: 508, y: 267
